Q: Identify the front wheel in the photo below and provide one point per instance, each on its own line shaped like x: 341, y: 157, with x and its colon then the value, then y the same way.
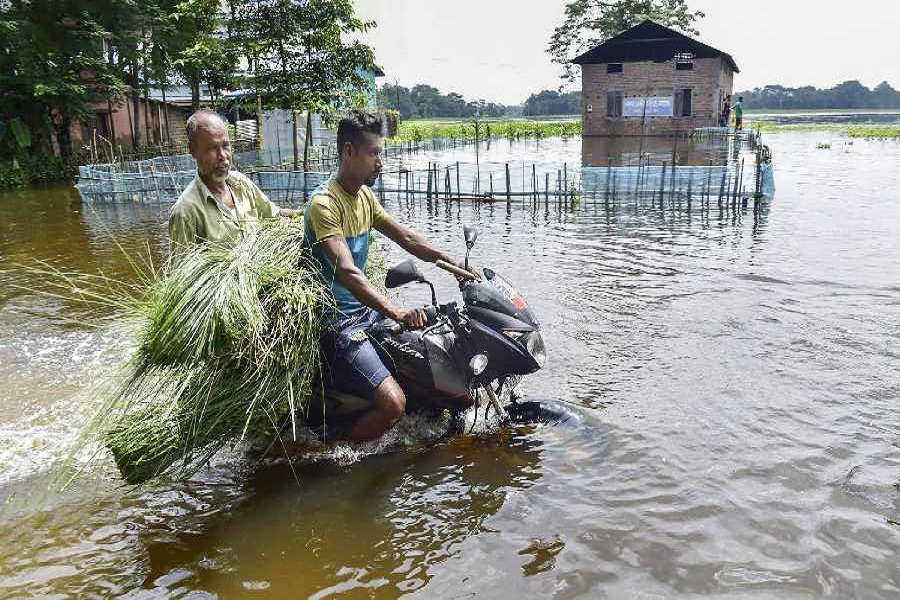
x: 543, y: 411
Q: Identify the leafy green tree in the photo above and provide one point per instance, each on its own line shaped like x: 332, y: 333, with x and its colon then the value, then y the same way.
x: 885, y: 96
x: 52, y: 71
x: 588, y: 23
x: 551, y: 102
x: 303, y: 57
x: 194, y: 35
x: 426, y: 101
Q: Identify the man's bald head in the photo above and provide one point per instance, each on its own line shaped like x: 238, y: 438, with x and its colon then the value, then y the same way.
x: 203, y: 119
x: 209, y: 144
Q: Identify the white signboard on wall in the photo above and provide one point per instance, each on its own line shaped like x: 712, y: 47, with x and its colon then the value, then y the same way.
x: 656, y: 106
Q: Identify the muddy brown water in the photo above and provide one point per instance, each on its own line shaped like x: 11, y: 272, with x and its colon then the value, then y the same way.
x: 739, y: 378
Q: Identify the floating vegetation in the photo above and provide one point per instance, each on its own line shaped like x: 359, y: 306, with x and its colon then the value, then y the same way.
x: 823, y: 146
x: 417, y: 131
x: 867, y: 131
x: 874, y: 131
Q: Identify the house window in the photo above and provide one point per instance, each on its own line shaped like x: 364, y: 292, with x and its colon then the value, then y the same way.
x: 613, y: 104
x: 684, y: 65
x: 683, y: 102
x: 614, y: 68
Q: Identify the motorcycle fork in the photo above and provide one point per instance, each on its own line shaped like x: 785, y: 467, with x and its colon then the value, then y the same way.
x: 492, y: 401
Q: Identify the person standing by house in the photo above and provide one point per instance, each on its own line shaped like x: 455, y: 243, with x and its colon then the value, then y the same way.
x: 220, y: 205
x: 739, y: 114
x: 726, y: 112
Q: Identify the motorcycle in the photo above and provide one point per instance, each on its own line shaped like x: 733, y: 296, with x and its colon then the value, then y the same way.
x: 469, y: 355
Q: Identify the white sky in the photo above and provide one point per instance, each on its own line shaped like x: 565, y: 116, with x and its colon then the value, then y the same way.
x: 494, y: 49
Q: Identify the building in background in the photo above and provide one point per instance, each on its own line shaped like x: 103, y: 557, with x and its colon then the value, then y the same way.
x: 653, y: 80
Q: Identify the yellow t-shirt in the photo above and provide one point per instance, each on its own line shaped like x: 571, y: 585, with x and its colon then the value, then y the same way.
x: 334, y: 212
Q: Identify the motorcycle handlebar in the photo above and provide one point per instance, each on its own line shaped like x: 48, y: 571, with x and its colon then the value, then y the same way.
x: 431, y: 315
x: 456, y: 270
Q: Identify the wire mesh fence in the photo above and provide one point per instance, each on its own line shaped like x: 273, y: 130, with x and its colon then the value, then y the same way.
x: 738, y: 175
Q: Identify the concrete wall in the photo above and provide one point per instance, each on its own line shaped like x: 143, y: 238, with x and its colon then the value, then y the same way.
x: 278, y: 128
x: 709, y: 79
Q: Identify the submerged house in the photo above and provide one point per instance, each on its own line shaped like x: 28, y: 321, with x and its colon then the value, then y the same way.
x: 653, y: 80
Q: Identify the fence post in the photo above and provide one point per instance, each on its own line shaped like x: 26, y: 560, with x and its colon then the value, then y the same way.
x: 741, y: 186
x: 722, y: 187
x: 608, y: 175
x: 508, y: 194
x: 662, y: 184
x: 546, y: 188
x: 734, y: 194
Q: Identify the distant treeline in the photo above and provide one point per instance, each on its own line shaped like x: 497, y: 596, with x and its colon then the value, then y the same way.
x: 850, y: 94
x: 425, y: 101
x: 550, y: 102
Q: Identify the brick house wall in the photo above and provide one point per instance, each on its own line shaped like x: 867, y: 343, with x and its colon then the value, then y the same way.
x: 82, y: 133
x: 710, y: 81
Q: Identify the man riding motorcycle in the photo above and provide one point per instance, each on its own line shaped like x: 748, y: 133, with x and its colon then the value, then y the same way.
x: 338, y: 224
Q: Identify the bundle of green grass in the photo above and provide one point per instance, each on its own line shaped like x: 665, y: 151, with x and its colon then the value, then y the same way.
x: 226, y: 346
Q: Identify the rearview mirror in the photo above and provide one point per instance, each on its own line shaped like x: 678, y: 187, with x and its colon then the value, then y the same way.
x: 470, y: 234
x: 402, y: 273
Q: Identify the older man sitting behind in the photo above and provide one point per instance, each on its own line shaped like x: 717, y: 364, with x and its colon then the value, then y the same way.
x: 220, y: 205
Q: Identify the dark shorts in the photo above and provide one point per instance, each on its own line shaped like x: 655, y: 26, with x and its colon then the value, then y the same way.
x: 350, y: 362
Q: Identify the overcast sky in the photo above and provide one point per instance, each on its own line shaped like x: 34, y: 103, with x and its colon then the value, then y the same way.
x: 494, y: 49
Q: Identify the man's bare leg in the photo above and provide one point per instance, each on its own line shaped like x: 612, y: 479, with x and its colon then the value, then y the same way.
x: 387, y: 408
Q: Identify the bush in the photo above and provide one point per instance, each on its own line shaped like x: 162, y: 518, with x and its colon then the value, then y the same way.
x: 38, y: 168
x: 11, y: 177
x: 392, y: 118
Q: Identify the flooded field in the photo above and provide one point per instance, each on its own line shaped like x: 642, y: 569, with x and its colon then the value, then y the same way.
x: 737, y: 377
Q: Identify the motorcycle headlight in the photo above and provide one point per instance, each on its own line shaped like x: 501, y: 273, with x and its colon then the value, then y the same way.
x: 478, y: 364
x: 533, y: 342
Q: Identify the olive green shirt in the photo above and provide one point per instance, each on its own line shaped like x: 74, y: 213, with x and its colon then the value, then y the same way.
x: 199, y: 216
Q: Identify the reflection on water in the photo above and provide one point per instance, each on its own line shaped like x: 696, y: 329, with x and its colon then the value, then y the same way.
x: 738, y: 371
x: 383, y: 523
x: 618, y: 151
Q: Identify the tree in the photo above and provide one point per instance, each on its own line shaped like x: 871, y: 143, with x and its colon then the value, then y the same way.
x: 591, y: 22
x: 396, y: 97
x: 425, y: 101
x: 884, y: 96
x: 195, y: 36
x: 849, y: 94
x: 52, y: 71
x: 303, y: 57
x: 551, y: 102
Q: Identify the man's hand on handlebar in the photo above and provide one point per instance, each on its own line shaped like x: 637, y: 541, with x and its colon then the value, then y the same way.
x: 412, y: 318
x: 472, y: 269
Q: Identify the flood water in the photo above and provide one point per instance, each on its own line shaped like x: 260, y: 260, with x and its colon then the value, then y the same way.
x: 738, y: 378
